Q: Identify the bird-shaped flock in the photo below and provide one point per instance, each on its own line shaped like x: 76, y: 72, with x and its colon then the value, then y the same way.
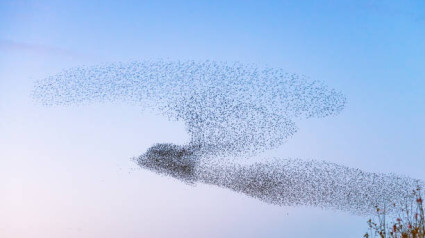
x: 231, y: 110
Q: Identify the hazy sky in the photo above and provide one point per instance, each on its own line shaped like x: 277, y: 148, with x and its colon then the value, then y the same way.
x: 65, y: 171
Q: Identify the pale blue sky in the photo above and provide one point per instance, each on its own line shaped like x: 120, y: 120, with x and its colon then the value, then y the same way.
x: 66, y: 173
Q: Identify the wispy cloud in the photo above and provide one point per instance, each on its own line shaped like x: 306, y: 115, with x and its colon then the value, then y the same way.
x: 8, y: 45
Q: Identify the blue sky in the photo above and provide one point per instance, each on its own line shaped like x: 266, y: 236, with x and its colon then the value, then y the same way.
x: 73, y: 162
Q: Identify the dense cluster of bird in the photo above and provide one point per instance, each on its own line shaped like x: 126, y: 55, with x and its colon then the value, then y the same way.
x: 229, y: 110
x: 286, y: 182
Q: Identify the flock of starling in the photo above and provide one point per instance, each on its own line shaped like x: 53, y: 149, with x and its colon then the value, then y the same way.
x: 232, y: 110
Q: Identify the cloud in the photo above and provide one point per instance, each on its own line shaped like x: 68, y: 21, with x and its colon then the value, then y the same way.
x: 6, y: 45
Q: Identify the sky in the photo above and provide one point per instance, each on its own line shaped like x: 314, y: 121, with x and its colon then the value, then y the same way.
x: 66, y: 171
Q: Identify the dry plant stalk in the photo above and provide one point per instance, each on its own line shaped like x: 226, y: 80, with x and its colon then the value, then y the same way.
x: 410, y: 223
